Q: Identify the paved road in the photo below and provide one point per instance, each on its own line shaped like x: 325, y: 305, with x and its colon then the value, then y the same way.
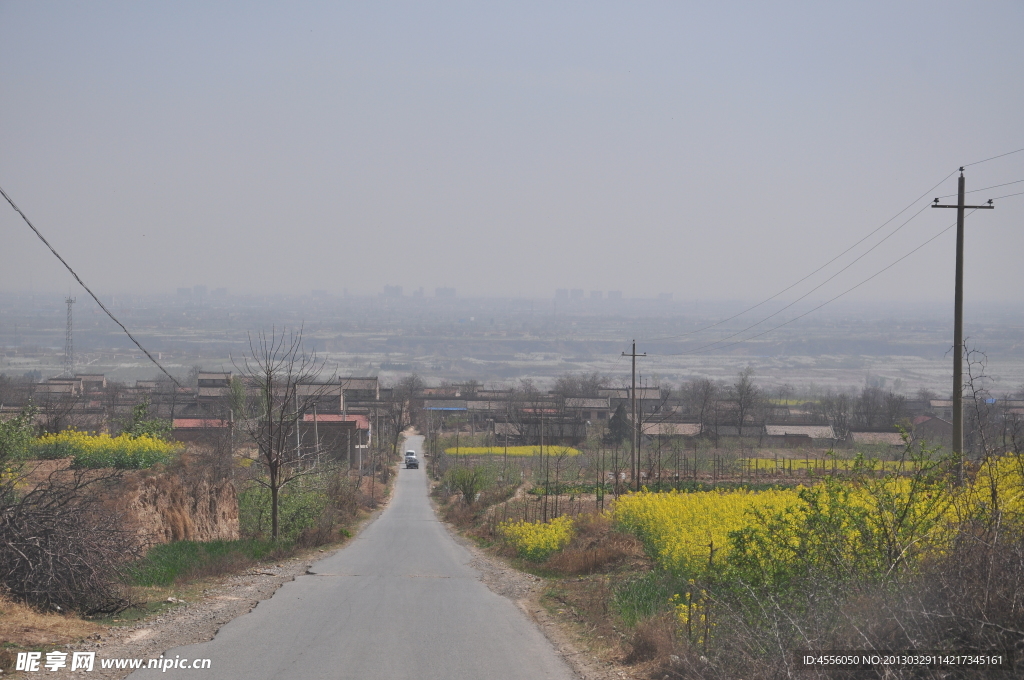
x: 400, y: 601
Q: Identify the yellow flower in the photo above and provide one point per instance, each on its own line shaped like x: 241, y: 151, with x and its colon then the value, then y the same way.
x: 536, y: 540
x: 102, y: 450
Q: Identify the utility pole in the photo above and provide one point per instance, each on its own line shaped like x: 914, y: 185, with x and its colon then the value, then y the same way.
x: 69, y: 345
x: 958, y: 323
x: 634, y: 449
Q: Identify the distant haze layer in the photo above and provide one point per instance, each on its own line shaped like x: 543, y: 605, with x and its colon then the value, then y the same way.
x: 705, y: 152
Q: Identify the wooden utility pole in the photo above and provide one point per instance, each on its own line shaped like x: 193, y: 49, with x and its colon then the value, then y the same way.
x: 958, y: 323
x: 634, y: 447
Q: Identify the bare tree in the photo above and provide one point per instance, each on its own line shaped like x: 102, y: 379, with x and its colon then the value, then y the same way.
x: 876, y: 408
x: 274, y: 368
x: 579, y: 384
x: 60, y: 411
x: 991, y: 427
x: 895, y: 408
x: 835, y: 407
x: 746, y: 395
x: 701, y: 396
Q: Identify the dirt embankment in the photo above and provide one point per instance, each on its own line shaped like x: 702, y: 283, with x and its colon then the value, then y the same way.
x: 186, y: 501
x: 181, y: 505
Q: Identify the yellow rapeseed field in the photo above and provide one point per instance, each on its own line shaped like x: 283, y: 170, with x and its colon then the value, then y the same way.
x: 536, y: 540
x: 997, y: 487
x: 102, y: 450
x: 688, y: 531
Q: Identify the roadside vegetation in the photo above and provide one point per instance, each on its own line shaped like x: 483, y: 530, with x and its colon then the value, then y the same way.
x: 719, y: 578
x: 74, y: 556
x: 97, y: 451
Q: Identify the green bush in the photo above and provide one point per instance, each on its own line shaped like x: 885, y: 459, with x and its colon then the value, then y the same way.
x: 299, y: 508
x: 16, y: 436
x: 469, y: 481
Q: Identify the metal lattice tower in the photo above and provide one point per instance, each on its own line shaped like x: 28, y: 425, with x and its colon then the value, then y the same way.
x: 69, y: 345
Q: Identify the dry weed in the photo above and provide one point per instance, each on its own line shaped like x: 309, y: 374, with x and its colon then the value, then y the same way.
x: 25, y: 627
x: 596, y: 546
x: 653, y: 640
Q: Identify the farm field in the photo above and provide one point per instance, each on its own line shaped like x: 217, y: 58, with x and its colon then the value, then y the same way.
x: 820, y: 557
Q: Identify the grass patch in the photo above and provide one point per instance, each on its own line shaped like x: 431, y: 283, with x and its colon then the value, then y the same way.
x: 172, y: 563
x: 643, y: 598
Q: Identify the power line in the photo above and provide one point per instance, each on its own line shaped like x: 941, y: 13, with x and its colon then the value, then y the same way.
x: 769, y: 299
x: 82, y: 283
x: 829, y: 301
x: 793, y: 285
x: 1019, y: 193
x: 860, y: 257
x: 994, y: 186
x: 1008, y: 153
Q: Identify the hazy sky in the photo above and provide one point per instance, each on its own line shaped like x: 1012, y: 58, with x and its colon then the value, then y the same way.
x: 711, y: 150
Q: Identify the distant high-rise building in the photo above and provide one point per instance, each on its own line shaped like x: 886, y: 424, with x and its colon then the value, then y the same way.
x: 444, y: 292
x: 392, y: 291
x: 319, y: 293
x: 596, y: 295
x: 615, y: 295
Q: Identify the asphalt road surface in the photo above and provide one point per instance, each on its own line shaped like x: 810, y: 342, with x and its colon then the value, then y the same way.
x: 400, y: 601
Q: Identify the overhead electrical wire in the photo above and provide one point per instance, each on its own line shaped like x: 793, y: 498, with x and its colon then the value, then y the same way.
x: 994, y: 186
x: 769, y: 299
x: 855, y: 261
x: 87, y: 290
x: 796, y: 283
x: 1019, y: 193
x: 986, y: 160
x: 829, y: 301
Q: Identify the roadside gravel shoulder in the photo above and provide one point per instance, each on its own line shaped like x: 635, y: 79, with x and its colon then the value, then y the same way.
x: 191, y: 622
x: 526, y: 591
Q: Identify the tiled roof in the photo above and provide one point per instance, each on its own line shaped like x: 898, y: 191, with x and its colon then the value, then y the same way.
x: 672, y: 429
x: 199, y: 423
x: 362, y: 422
x: 812, y: 431
x: 890, y: 438
x: 582, y: 402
